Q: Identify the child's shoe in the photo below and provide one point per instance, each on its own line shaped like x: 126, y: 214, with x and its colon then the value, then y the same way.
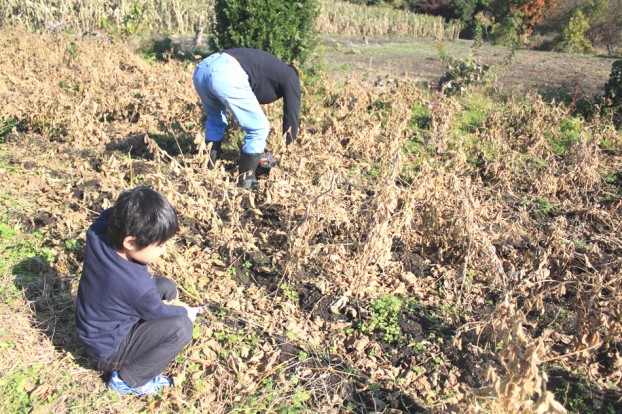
x: 163, y: 381
x: 150, y: 388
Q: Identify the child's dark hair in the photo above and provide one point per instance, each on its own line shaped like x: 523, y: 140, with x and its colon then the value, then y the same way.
x: 142, y: 213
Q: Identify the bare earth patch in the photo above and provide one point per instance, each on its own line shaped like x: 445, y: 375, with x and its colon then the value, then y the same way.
x: 550, y: 73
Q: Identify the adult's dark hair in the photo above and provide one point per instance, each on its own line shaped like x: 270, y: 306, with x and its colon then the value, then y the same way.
x: 142, y: 213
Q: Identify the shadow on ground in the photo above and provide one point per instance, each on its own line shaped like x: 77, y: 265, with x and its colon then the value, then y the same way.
x: 575, y: 391
x: 52, y: 303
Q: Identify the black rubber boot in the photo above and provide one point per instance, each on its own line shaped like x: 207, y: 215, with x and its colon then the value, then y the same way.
x: 248, y: 166
x: 266, y: 163
x: 214, y: 153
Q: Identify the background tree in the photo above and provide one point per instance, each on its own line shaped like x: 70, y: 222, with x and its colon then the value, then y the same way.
x: 603, y: 18
x: 443, y: 8
x: 573, y: 35
x: 517, y: 18
x: 465, y: 11
x: 281, y: 27
x: 530, y: 12
x: 613, y: 91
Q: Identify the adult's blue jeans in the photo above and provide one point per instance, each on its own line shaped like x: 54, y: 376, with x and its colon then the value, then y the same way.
x: 222, y: 84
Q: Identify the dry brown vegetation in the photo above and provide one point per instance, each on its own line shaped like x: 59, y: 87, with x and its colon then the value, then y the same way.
x: 343, y: 18
x: 184, y: 17
x: 400, y: 259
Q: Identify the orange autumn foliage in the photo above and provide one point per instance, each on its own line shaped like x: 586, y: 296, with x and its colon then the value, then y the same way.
x: 530, y: 11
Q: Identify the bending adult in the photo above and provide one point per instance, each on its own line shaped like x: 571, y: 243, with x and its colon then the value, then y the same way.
x: 241, y: 80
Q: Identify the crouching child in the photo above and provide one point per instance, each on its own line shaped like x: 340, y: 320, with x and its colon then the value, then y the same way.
x: 121, y: 320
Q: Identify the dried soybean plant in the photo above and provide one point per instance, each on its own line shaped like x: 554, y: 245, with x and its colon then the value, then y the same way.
x: 517, y: 379
x: 381, y: 217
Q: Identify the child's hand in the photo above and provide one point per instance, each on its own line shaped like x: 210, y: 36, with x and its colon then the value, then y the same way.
x: 193, y: 311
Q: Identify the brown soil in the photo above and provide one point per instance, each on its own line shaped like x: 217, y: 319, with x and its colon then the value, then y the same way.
x: 551, y: 74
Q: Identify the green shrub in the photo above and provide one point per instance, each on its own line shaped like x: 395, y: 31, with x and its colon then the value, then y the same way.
x: 597, y: 25
x: 613, y: 91
x: 461, y: 73
x: 6, y: 127
x: 470, y: 12
x: 281, y: 27
x: 569, y: 134
x: 507, y: 32
x: 464, y: 9
x: 613, y: 88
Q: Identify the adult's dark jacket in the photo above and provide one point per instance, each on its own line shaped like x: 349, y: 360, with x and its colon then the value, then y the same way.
x: 113, y: 295
x: 272, y: 79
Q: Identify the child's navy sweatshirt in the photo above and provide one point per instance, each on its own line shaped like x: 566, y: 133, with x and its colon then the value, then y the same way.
x: 113, y: 295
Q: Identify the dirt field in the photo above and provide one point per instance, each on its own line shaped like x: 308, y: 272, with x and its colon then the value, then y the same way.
x: 550, y: 73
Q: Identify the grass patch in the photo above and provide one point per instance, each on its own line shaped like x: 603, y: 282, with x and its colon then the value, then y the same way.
x: 473, y: 115
x: 7, y: 126
x: 19, y: 385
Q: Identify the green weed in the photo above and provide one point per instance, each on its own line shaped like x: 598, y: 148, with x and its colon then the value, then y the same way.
x: 7, y: 344
x: 7, y: 126
x: 22, y: 256
x: 16, y: 389
x: 384, y: 317
x: 544, y: 204
x: 373, y: 171
x: 541, y: 204
x: 240, y: 342
x: 6, y: 232
x: 288, y: 292
x: 150, y: 58
x: 578, y: 405
x: 580, y: 245
x: 476, y: 107
x: 461, y: 73
x: 135, y: 19
x: 71, y: 244
x: 72, y: 50
x: 272, y: 397
x: 570, y: 130
x: 420, y: 117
